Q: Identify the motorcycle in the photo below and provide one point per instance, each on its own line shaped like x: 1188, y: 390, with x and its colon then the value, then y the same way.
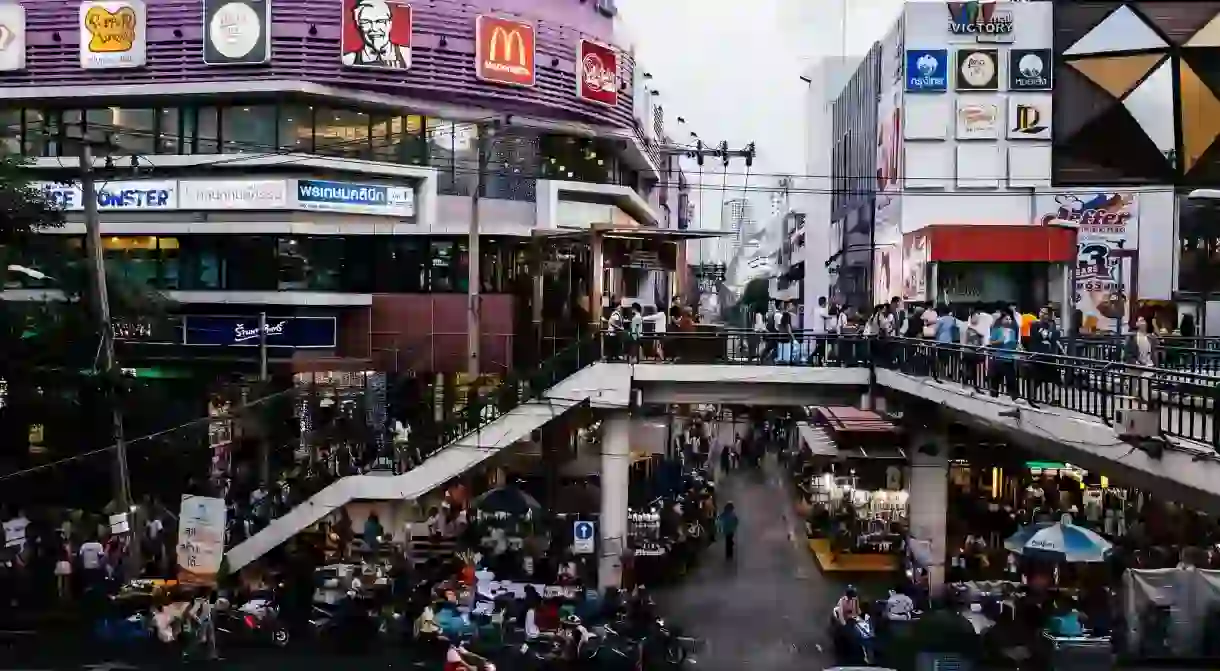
x: 668, y: 646
x: 256, y: 621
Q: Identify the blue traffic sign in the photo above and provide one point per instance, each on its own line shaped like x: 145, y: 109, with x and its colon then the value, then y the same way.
x: 582, y: 530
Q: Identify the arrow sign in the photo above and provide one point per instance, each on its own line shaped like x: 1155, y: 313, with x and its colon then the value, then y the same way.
x: 583, y: 537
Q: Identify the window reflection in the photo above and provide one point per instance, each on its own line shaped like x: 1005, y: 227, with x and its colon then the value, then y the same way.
x: 35, y: 133
x: 339, y: 132
x: 207, y: 131
x: 309, y: 263
x: 247, y: 129
x: 169, y: 131
x: 10, y: 131
x: 137, y: 258
x: 397, y: 139
x: 296, y: 128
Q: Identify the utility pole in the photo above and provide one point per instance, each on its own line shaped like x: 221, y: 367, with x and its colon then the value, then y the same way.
x: 110, y: 370
x: 264, y: 445
x: 474, y: 312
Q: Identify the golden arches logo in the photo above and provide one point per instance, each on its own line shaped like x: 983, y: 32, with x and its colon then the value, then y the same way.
x: 510, y: 39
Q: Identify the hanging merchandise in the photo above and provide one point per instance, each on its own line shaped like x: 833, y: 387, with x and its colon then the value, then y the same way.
x: 1093, y: 500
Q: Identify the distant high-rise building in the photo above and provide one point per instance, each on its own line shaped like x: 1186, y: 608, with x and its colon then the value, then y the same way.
x: 736, y: 216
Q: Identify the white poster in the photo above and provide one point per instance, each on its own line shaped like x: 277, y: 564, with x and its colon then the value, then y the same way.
x: 1105, y: 222
x: 201, y: 539
x: 113, y: 34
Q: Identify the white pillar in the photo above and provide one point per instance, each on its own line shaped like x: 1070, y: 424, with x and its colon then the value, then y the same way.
x: 929, y: 504
x: 615, y: 475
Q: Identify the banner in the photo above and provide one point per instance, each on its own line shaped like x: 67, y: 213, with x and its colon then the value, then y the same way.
x: 1105, y: 222
x: 201, y: 539
x: 915, y: 253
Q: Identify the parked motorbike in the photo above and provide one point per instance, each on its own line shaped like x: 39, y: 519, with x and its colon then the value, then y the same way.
x: 854, y: 641
x: 257, y: 621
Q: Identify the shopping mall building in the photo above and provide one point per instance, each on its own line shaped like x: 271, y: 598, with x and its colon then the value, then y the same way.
x: 317, y: 161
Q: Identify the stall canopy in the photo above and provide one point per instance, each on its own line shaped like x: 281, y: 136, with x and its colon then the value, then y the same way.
x: 817, y: 440
x: 859, y: 434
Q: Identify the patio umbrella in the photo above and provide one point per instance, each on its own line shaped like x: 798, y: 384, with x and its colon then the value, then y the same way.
x: 1017, y: 541
x: 1066, y: 542
x: 505, y: 500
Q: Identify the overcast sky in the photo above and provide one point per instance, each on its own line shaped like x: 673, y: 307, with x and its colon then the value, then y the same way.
x: 732, y: 69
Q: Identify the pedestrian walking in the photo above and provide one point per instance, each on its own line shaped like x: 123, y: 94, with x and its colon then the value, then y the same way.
x: 726, y: 524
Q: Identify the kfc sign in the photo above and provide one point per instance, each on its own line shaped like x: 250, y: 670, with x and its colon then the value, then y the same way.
x: 504, y: 51
x: 376, y: 34
x: 597, y: 73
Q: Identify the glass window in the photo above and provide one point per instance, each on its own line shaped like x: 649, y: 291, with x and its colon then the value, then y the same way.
x: 171, y: 265
x: 296, y: 128
x: 67, y: 142
x: 402, y: 265
x: 310, y: 263
x: 10, y: 131
x: 133, y: 258
x: 398, y: 139
x: 341, y: 132
x: 246, y: 129
x: 199, y: 265
x: 250, y: 263
x: 207, y: 131
x: 442, y: 269
x: 136, y: 130
x: 35, y: 133
x: 169, y: 131
x: 512, y: 166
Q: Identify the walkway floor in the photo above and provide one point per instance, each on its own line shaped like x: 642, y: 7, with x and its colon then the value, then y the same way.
x: 768, y: 608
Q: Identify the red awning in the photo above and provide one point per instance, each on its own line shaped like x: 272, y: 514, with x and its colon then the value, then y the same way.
x: 956, y: 243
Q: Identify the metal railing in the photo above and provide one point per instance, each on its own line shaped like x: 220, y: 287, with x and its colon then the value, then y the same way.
x: 740, y: 347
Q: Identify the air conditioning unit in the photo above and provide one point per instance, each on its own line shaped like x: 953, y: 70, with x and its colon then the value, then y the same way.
x: 1137, y: 423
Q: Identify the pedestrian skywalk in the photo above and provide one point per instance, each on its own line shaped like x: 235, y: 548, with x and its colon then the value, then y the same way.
x: 1072, y: 414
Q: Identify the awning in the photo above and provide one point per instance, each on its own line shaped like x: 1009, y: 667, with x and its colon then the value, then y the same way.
x: 986, y: 243
x: 637, y: 233
x: 817, y: 440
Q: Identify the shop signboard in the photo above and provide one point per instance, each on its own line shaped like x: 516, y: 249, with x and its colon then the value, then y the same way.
x: 325, y: 196
x: 234, y: 194
x: 1105, y: 222
x: 201, y: 539
x: 12, y: 37
x: 915, y: 254
x: 243, y: 331
x: 584, y: 534
x: 981, y: 21
x: 236, y: 32
x: 376, y: 34
x: 141, y: 195
x: 597, y: 73
x: 505, y: 51
x: 113, y: 34
x: 927, y: 70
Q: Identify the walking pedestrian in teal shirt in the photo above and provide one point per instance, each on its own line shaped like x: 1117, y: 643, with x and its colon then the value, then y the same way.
x: 726, y: 524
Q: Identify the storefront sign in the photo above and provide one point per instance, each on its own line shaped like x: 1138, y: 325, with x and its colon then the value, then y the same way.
x: 915, y: 255
x: 1104, y: 222
x: 981, y: 20
x: 113, y: 34
x: 977, y: 70
x: 242, y: 331
x: 376, y: 34
x: 1029, y: 69
x: 136, y: 195
x: 597, y: 73
x: 1029, y: 117
x: 504, y: 51
x: 234, y: 194
x: 236, y: 32
x: 201, y: 539
x: 927, y: 70
x: 12, y: 37
x: 359, y: 198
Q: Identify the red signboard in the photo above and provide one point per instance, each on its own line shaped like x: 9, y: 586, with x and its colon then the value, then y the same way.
x: 376, y: 34
x: 597, y: 73
x: 504, y: 51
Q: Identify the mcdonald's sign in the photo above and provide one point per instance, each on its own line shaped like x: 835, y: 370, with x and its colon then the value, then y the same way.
x: 504, y: 51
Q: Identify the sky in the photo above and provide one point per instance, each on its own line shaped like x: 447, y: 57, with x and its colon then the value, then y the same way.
x: 732, y: 69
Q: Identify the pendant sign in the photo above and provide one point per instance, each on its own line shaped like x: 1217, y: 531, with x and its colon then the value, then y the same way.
x: 597, y: 73
x: 236, y: 32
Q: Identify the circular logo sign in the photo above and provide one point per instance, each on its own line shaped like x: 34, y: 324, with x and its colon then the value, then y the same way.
x: 235, y: 30
x: 978, y: 69
x: 1030, y: 66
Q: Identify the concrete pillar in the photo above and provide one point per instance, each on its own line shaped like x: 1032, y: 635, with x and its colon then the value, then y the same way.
x: 615, y: 474
x: 929, y: 503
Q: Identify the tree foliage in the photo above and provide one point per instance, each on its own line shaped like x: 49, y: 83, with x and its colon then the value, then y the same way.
x: 50, y: 349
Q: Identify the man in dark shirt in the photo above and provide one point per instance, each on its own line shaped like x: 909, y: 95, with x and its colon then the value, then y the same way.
x: 1044, y: 342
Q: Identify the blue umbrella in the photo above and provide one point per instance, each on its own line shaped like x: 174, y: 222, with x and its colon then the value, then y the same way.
x: 1065, y: 542
x: 1015, y: 542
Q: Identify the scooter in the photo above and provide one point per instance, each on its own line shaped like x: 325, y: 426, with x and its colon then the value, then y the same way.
x: 256, y: 621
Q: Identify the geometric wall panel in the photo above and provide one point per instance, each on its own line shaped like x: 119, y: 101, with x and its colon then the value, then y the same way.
x: 1122, y: 30
x: 1208, y: 36
x: 1116, y: 74
x: 1178, y: 20
x: 1151, y: 105
x: 1200, y: 116
x: 1137, y: 93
